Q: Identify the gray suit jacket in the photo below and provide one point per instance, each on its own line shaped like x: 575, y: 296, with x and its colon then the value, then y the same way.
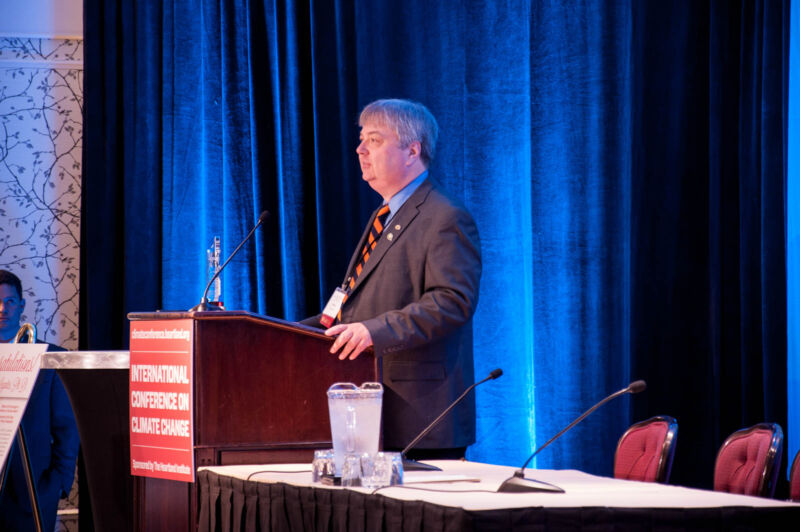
x: 416, y: 296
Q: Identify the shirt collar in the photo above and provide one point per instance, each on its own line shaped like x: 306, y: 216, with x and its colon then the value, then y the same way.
x: 397, y: 201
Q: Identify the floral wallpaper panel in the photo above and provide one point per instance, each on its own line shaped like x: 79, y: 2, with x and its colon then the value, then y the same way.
x: 41, y: 129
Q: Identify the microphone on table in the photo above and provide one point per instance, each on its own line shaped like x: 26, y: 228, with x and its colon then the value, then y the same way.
x: 518, y: 483
x: 203, y: 305
x: 413, y: 465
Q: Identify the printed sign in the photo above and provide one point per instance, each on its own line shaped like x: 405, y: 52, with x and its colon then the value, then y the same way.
x: 161, y: 402
x: 19, y: 367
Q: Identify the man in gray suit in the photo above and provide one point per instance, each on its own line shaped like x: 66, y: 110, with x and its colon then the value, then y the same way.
x: 412, y: 285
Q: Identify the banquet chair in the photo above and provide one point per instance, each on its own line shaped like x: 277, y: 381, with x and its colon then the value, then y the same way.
x: 646, y: 450
x: 749, y: 460
x: 794, y: 479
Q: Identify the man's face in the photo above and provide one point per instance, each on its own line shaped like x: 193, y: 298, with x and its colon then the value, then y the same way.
x: 384, y: 164
x: 11, y: 307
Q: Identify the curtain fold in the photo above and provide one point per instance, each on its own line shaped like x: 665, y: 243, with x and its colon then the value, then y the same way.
x: 121, y: 204
x: 708, y: 277
x: 792, y: 209
x: 624, y: 161
x: 581, y: 182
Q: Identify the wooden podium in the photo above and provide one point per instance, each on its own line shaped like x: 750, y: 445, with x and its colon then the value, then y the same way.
x: 259, y: 397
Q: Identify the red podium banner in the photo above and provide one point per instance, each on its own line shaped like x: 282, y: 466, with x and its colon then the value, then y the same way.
x: 161, y: 402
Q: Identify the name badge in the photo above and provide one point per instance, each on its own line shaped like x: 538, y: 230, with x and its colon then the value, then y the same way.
x: 333, y: 307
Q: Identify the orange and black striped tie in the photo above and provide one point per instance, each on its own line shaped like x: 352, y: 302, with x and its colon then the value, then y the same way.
x: 372, y: 240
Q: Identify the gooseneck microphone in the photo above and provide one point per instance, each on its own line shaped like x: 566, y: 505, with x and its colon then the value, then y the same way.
x: 203, y: 305
x: 518, y: 483
x: 413, y: 465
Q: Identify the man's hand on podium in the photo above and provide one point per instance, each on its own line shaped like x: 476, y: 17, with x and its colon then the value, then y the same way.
x: 351, y: 338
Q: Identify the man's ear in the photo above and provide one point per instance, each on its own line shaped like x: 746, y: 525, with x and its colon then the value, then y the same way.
x: 414, y: 150
x: 22, y: 304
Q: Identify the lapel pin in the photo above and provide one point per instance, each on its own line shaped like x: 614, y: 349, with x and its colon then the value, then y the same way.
x: 390, y: 236
x: 397, y: 227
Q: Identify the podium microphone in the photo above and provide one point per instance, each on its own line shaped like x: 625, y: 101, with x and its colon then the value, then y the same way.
x: 413, y: 465
x: 518, y: 483
x: 203, y: 305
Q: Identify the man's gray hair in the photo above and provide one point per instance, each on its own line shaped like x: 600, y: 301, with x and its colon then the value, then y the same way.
x: 411, y: 121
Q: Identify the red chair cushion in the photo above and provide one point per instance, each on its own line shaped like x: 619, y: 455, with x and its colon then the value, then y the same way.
x: 638, y: 454
x: 794, y: 482
x: 741, y: 463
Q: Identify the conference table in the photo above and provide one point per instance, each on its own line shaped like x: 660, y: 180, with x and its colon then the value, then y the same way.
x: 463, y: 496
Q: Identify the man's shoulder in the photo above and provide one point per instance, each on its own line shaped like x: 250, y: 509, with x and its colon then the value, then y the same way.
x: 438, y: 196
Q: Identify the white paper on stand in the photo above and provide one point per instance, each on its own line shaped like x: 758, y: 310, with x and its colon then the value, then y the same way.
x: 19, y: 367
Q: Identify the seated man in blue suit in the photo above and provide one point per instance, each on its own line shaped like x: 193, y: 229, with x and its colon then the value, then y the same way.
x: 50, y: 431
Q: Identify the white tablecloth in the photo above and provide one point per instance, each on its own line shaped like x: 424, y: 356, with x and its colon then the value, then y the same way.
x: 581, y: 489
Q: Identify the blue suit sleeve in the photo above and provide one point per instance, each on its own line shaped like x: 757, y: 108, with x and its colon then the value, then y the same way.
x: 65, y: 437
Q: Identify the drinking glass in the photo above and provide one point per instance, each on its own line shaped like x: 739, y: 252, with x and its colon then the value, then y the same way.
x: 322, y: 464
x: 376, y: 470
x: 397, y: 469
x: 351, y: 470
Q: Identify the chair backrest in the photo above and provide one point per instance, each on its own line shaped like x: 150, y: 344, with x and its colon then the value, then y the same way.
x: 646, y: 450
x: 794, y: 479
x: 749, y: 460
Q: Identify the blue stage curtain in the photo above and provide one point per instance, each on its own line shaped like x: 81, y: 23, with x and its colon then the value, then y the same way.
x: 793, y: 238
x: 121, y: 207
x: 708, y: 284
x: 623, y: 161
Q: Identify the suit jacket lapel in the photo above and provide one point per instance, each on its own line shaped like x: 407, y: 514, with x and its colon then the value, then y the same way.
x: 403, y: 218
x: 357, y: 254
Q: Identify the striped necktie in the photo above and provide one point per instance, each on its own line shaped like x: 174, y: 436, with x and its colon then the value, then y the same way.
x: 372, y: 240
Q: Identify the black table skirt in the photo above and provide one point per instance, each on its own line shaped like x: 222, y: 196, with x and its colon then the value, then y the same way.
x: 230, y: 505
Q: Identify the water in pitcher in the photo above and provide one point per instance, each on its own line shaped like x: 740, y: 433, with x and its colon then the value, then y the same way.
x: 355, y: 415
